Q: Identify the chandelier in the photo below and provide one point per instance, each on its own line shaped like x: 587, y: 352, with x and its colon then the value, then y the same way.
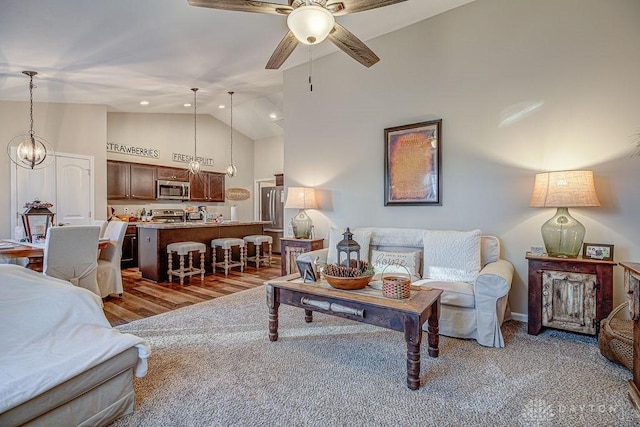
x: 231, y: 169
x: 30, y: 151
x: 194, y: 164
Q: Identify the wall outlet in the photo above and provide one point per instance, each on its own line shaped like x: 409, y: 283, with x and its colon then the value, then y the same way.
x: 126, y: 210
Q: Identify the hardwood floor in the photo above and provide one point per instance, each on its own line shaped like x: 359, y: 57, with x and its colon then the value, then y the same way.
x: 143, y: 298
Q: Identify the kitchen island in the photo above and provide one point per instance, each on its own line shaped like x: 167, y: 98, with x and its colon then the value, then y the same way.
x: 154, y: 237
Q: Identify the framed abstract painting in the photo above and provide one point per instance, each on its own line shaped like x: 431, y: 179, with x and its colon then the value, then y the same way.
x: 412, y: 164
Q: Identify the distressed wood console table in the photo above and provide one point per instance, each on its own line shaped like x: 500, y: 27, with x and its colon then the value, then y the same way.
x: 366, y: 306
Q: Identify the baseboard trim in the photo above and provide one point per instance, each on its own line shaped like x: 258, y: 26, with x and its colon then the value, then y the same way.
x: 519, y: 317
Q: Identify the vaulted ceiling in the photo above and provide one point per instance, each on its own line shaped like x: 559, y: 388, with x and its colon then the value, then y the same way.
x: 121, y: 52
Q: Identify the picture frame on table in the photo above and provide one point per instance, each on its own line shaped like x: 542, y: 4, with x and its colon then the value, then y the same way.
x: 599, y: 251
x: 413, y: 164
x: 307, y: 273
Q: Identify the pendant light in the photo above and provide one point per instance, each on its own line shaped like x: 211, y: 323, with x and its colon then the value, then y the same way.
x: 194, y: 164
x: 231, y: 169
x: 30, y: 151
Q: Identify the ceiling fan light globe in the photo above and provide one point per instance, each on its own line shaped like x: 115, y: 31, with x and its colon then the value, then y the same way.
x: 310, y: 24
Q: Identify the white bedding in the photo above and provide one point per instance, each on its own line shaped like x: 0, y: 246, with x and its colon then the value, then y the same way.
x: 51, y: 331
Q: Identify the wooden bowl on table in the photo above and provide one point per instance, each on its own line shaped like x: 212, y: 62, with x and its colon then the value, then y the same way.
x: 348, y: 283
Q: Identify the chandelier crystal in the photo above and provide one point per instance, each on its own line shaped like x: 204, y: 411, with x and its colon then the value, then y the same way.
x: 30, y: 151
x: 194, y: 164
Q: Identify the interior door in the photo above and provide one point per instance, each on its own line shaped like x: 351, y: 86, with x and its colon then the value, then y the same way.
x: 74, y: 195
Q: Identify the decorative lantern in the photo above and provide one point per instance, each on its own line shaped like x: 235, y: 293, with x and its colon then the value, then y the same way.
x: 36, y: 220
x: 348, y: 246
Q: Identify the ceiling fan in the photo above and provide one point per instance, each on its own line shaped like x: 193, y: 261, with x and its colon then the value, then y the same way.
x: 309, y: 22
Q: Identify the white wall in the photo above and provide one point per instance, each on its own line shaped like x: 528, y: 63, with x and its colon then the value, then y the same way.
x: 174, y: 133
x: 268, y: 157
x: 69, y: 128
x: 572, y: 63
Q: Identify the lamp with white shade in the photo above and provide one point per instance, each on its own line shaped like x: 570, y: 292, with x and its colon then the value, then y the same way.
x: 563, y: 234
x: 301, y: 198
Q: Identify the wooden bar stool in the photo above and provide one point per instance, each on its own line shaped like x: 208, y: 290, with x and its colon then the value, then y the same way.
x: 257, y: 240
x: 227, y: 244
x: 182, y: 249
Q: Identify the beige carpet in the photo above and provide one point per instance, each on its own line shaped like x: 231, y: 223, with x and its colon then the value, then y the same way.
x: 212, y: 364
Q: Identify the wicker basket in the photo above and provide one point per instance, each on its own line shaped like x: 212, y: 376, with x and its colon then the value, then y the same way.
x: 396, y: 286
x: 616, y: 338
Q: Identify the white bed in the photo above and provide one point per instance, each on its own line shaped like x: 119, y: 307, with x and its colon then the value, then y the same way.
x: 61, y: 363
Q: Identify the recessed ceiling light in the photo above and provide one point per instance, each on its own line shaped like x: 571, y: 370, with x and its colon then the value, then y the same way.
x: 187, y: 105
x: 144, y: 102
x: 273, y: 116
x: 222, y: 106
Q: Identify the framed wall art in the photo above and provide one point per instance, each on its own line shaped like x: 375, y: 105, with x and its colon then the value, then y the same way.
x: 412, y: 164
x: 597, y: 251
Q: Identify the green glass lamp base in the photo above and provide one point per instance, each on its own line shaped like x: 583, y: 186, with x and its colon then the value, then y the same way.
x: 302, y: 225
x: 563, y: 235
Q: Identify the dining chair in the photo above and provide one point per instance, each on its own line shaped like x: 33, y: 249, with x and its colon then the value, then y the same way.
x: 71, y: 253
x: 109, y: 274
x: 103, y: 226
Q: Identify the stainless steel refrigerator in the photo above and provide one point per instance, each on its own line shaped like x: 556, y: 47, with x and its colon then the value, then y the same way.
x: 272, y: 210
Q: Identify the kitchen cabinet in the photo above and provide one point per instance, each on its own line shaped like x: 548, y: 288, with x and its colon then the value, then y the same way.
x: 130, y: 181
x: 165, y: 173
x: 207, y: 187
x: 572, y: 294
x: 129, y: 257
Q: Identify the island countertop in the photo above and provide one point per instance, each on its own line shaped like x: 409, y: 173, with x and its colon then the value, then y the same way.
x: 154, y: 237
x: 195, y: 224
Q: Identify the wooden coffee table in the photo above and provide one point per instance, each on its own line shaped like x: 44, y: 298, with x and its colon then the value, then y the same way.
x: 366, y: 306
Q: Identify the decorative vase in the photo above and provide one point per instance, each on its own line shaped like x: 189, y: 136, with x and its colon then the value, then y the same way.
x: 563, y: 235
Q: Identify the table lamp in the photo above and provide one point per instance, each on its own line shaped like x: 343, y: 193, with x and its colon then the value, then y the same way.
x: 563, y: 234
x: 301, y: 198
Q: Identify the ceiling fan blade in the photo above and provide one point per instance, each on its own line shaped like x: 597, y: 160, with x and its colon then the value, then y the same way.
x: 352, y: 46
x: 353, y: 6
x: 244, y: 6
x: 285, y: 48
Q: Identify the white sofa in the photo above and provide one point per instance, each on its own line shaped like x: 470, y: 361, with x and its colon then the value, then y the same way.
x: 465, y: 265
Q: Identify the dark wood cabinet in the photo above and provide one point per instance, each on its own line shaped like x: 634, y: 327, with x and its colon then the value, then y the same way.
x: 572, y: 294
x: 165, y: 173
x: 130, y: 181
x: 207, y: 187
x: 279, y: 179
x: 632, y: 283
x: 290, y: 248
x: 129, y: 257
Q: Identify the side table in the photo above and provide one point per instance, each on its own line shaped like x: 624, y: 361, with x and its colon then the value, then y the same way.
x: 290, y: 248
x: 573, y: 294
x: 632, y: 284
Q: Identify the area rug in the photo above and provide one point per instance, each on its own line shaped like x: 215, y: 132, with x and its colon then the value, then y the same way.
x: 212, y: 364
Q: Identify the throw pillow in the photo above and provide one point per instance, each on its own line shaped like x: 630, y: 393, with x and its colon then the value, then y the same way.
x: 396, y: 262
x: 335, y: 236
x: 451, y: 255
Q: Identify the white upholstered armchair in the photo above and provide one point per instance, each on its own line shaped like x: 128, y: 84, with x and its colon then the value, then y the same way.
x: 467, y: 267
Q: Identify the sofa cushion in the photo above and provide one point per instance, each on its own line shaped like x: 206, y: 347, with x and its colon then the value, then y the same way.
x: 459, y: 294
x: 396, y: 262
x: 335, y: 236
x: 451, y: 255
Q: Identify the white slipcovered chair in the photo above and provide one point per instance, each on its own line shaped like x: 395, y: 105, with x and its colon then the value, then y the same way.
x: 71, y: 254
x: 109, y: 274
x: 466, y: 266
x: 103, y: 226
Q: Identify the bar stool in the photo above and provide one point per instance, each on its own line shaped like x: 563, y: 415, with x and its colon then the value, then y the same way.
x: 257, y: 240
x: 182, y: 249
x: 227, y: 244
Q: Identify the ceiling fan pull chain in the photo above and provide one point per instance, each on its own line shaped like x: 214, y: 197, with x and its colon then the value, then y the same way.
x: 310, y: 70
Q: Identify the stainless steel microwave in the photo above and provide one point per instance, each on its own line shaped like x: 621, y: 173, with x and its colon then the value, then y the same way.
x: 173, y: 190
